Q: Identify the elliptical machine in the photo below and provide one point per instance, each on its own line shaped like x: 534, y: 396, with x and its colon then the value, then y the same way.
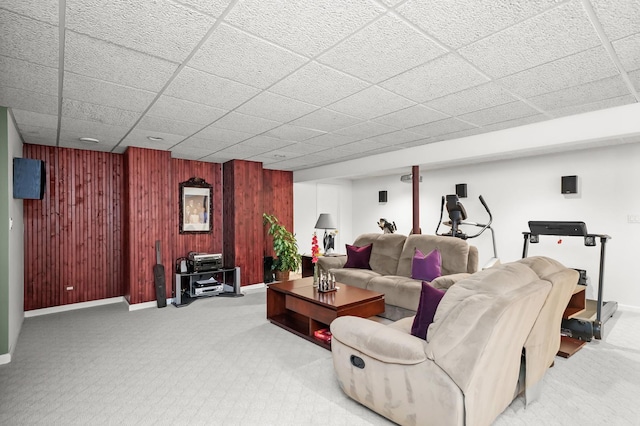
x: 457, y: 217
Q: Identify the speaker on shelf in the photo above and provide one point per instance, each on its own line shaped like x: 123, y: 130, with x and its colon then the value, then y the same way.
x: 461, y: 190
x: 382, y: 196
x: 569, y: 184
x: 268, y: 273
x: 29, y: 178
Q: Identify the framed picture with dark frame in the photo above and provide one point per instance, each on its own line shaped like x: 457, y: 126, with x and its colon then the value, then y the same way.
x: 196, y: 206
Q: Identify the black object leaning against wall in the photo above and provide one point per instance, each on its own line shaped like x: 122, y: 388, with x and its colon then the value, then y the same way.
x: 29, y: 177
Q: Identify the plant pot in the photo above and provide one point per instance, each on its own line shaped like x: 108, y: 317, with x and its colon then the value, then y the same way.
x: 282, y: 276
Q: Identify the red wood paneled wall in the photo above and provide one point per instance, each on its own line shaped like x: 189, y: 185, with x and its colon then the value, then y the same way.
x: 278, y: 200
x: 243, y: 230
x: 73, y: 236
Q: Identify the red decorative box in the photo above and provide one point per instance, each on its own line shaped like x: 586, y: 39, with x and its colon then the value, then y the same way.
x: 323, y: 334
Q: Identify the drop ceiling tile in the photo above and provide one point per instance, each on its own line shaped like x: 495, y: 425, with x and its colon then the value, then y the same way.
x: 24, y: 75
x: 72, y: 129
x: 628, y: 50
x: 211, y: 145
x: 554, y: 34
x: 245, y: 123
x: 594, y: 106
x: 35, y: 140
x: 589, y: 65
x: 28, y: 39
x: 499, y: 113
x: 164, y: 29
x: 36, y: 134
x: 86, y: 89
x: 318, y: 24
x: 74, y: 143
x: 306, y: 147
x: 42, y: 10
x: 371, y: 103
x: 331, y: 140
x: 585, y: 93
x: 442, y: 127
x: 619, y: 18
x: 325, y: 120
x: 30, y: 118
x: 458, y: 135
x: 411, y: 144
x: 241, y: 152
x: 361, y: 147
x: 473, y: 99
x: 513, y: 123
x: 99, y: 113
x: 318, y: 85
x: 391, y: 3
x: 239, y: 56
x: 442, y: 76
x: 293, y: 133
x: 179, y: 109
x: 383, y: 49
x: 366, y: 129
x: 29, y: 101
x: 187, y: 153
x: 224, y: 136
x: 166, y: 125
x: 409, y: 117
x: 262, y: 141
x: 213, y: 8
x: 396, y: 138
x: 107, y: 61
x: 218, y: 158
x: 197, y: 86
x: 460, y: 22
x: 140, y: 139
x: 635, y: 79
x: 275, y: 107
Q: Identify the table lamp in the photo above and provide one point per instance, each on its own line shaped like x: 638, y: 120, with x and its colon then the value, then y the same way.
x: 325, y: 221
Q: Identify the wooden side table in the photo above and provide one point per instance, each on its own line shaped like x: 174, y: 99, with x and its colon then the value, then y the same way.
x: 307, y: 264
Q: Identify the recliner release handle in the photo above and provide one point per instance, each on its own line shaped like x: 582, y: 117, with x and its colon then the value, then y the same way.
x: 356, y: 361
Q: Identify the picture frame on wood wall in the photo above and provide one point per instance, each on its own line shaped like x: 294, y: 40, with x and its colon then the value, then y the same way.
x: 196, y: 205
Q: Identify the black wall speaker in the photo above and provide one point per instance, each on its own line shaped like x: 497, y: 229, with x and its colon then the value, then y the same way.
x: 569, y: 184
x: 382, y: 196
x: 29, y: 178
x: 461, y: 190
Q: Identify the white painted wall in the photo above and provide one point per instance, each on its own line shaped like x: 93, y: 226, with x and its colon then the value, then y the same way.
x: 526, y: 189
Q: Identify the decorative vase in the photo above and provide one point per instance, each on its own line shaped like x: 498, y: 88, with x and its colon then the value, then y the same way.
x: 315, y: 275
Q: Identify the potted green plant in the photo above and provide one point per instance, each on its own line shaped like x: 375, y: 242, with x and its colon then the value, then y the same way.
x: 285, y: 247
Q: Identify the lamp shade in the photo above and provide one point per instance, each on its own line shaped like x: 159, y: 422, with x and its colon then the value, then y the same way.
x: 325, y: 221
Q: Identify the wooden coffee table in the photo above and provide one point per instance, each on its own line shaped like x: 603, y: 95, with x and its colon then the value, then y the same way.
x: 300, y: 308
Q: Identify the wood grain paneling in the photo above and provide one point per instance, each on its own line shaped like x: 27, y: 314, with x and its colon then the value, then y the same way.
x: 73, y: 236
x: 278, y: 201
x: 243, y: 230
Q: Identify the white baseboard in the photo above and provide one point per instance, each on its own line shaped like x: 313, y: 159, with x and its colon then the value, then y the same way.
x: 252, y: 287
x: 628, y: 308
x: 73, y: 306
x: 5, y: 359
x: 146, y: 305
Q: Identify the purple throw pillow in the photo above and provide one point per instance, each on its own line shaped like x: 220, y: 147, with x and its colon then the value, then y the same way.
x: 426, y: 268
x: 429, y: 300
x: 358, y: 257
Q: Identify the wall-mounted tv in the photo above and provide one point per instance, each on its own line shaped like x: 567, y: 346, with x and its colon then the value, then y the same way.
x: 29, y: 177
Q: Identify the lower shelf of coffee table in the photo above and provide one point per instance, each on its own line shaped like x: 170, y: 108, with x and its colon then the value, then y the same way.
x: 301, y: 325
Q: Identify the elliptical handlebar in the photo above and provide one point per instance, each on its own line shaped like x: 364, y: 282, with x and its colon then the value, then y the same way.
x: 484, y: 227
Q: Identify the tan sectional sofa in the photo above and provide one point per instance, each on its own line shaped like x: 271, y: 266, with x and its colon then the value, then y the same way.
x: 494, y: 334
x: 390, y: 262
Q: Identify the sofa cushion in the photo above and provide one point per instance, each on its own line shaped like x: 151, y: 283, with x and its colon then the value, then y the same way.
x: 398, y: 291
x: 385, y: 251
x: 429, y: 300
x: 358, y: 257
x: 454, y: 253
x: 426, y: 267
x: 354, y: 277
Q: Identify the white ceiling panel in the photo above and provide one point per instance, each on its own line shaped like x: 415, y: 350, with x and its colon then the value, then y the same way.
x: 28, y: 39
x: 635, y: 79
x: 99, y: 113
x: 35, y: 134
x: 306, y: 26
x: 164, y: 29
x: 619, y: 18
x: 473, y: 99
x: 76, y: 144
x: 31, y: 118
x: 499, y: 113
x: 594, y: 106
x: 589, y: 65
x: 24, y: 75
x: 245, y: 123
x: 370, y: 103
x: 319, y: 85
x: 395, y: 138
x: 239, y: 56
x: 179, y: 109
x: 241, y: 151
x: 366, y: 129
x: 167, y: 125
x: 304, y: 148
x: 557, y: 33
x: 331, y: 140
x: 210, y: 145
x: 511, y: 123
x: 224, y: 136
x: 293, y: 133
x: 383, y: 49
x: 325, y: 120
x: 460, y: 22
x: 42, y: 10
x: 275, y: 107
x: 107, y: 61
x: 409, y: 117
x: 583, y: 94
x: 628, y: 50
x: 442, y: 76
x: 262, y: 141
x: 140, y: 138
x: 201, y: 87
x: 213, y: 8
x: 188, y: 153
x: 28, y: 101
x: 72, y: 129
x: 81, y: 88
x: 442, y: 127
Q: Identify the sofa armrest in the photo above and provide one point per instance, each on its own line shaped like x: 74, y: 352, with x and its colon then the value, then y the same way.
x: 446, y: 281
x: 378, y: 341
x: 331, y: 262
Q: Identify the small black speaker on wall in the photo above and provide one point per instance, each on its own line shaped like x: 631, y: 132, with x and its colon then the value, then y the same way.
x: 569, y: 184
x: 29, y: 178
x: 461, y: 190
x: 382, y: 196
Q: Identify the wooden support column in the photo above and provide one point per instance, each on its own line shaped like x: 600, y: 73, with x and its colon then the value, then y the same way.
x: 415, y: 174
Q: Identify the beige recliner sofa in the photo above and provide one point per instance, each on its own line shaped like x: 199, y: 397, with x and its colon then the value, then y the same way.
x: 391, y: 256
x: 469, y: 368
